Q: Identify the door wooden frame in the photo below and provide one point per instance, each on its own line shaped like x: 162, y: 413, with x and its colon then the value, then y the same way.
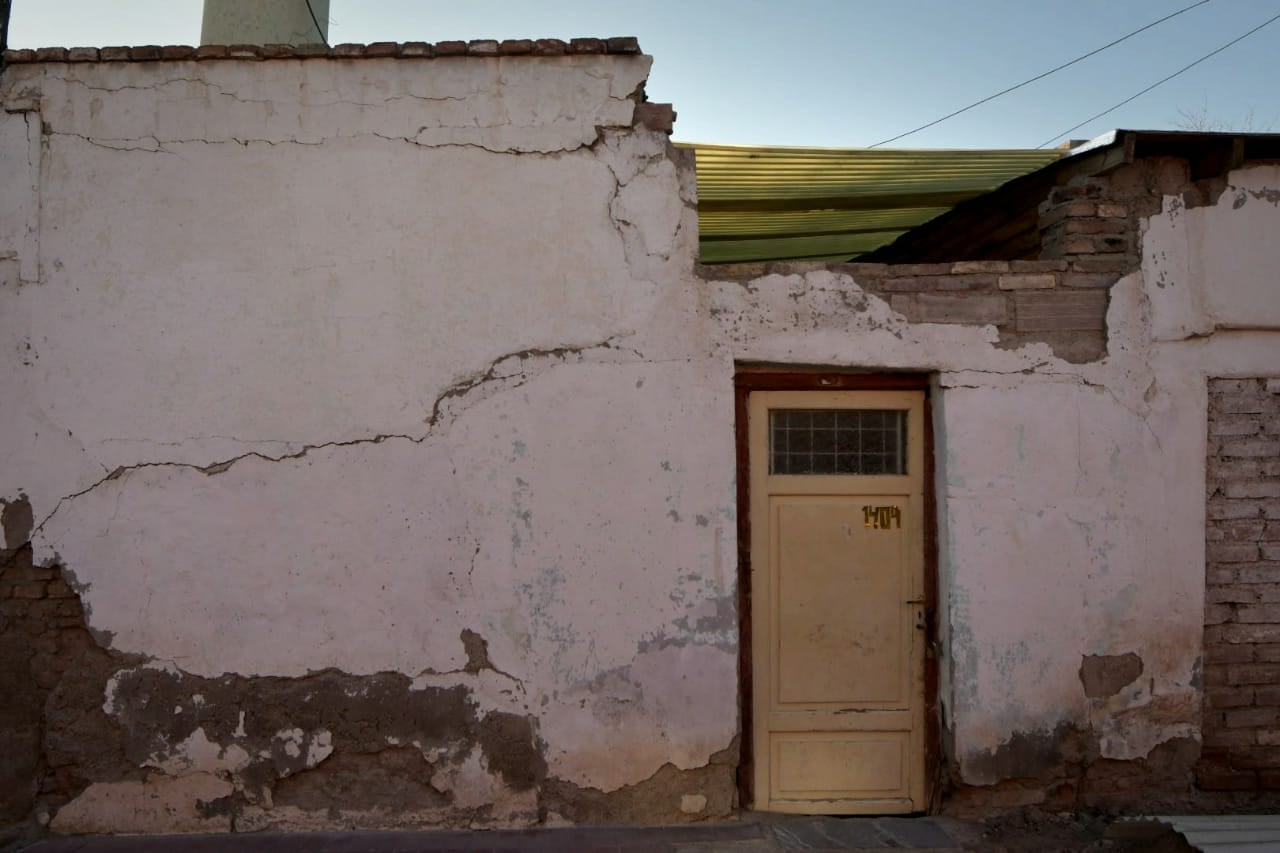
x: 749, y: 378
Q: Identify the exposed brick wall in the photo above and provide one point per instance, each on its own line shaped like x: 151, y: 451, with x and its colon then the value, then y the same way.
x: 1058, y: 302
x: 1084, y: 222
x: 1242, y: 601
x: 54, y: 735
x: 1097, y: 220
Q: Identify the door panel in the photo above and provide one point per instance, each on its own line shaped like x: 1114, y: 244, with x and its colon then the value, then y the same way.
x: 837, y: 610
x: 830, y: 766
x: 840, y: 630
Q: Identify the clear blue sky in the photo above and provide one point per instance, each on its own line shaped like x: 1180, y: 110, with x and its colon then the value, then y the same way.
x: 844, y: 73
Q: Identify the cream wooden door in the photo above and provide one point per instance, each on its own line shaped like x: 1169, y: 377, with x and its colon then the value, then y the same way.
x: 837, y: 601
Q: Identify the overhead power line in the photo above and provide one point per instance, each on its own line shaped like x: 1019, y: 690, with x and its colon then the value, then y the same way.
x: 314, y: 20
x: 1160, y: 82
x: 1031, y: 80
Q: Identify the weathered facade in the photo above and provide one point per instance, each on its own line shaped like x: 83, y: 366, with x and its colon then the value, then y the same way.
x: 370, y: 459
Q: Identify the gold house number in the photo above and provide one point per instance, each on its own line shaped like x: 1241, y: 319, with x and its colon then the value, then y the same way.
x: 881, y: 517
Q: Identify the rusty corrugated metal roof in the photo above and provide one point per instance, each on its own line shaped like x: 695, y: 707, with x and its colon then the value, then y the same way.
x: 760, y: 203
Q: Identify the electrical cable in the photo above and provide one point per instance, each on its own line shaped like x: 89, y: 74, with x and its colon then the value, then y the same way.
x: 1159, y: 82
x: 315, y: 21
x: 1038, y: 76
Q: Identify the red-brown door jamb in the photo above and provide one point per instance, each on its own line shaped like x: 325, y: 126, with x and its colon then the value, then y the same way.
x: 749, y: 378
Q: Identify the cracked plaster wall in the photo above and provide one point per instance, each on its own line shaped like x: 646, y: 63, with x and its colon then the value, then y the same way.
x: 330, y: 366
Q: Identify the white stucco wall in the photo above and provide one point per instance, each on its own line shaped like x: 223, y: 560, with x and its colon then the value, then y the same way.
x: 319, y: 364
x: 1203, y: 261
x: 323, y: 363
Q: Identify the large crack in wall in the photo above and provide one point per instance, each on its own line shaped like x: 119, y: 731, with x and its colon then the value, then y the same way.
x: 505, y: 372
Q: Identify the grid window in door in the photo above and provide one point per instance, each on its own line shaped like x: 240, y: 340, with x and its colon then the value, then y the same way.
x: 837, y: 441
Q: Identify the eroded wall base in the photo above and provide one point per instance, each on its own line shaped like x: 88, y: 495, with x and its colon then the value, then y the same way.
x: 54, y: 736
x: 169, y: 751
x: 1063, y: 770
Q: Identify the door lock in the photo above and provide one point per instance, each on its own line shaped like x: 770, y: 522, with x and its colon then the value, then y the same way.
x: 918, y: 604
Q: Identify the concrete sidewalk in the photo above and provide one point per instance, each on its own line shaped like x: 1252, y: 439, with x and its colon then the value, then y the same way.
x: 751, y: 836
x: 754, y: 834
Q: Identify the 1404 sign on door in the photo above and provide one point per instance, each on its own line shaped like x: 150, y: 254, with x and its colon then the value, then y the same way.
x: 881, y: 517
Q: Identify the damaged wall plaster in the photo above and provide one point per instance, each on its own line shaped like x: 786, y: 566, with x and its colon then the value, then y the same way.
x: 305, y: 476
x: 412, y: 488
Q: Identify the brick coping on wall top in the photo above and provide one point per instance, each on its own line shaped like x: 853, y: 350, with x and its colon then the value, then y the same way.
x: 618, y: 45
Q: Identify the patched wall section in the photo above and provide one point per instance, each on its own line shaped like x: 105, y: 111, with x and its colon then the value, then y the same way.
x: 1242, y: 600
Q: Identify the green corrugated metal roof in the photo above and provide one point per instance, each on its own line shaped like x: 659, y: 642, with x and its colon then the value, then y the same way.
x: 768, y: 203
